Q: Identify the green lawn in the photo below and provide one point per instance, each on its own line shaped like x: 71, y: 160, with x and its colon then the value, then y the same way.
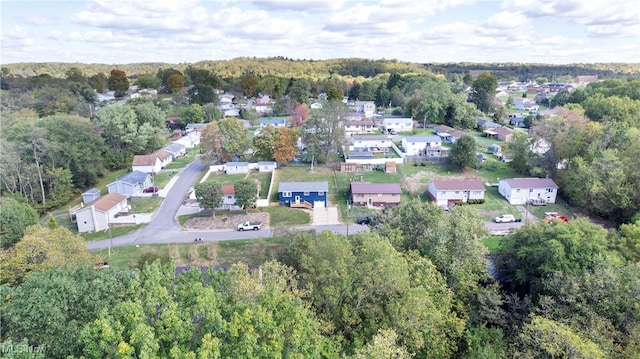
x: 280, y: 216
x: 145, y: 205
x: 253, y: 252
x: 112, y: 233
x: 184, y: 161
x: 225, y: 179
x: 161, y: 179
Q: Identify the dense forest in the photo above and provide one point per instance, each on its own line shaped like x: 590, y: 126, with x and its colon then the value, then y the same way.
x: 419, y: 284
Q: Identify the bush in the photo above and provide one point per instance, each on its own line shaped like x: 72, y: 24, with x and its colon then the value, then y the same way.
x: 476, y: 201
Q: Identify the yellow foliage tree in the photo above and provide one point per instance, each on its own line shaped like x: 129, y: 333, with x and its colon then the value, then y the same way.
x: 42, y: 248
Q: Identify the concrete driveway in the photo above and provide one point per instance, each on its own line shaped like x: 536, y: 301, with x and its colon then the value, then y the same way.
x: 325, y: 216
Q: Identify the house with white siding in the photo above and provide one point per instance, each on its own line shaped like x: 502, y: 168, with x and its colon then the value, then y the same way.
x: 236, y: 167
x: 97, y: 215
x: 448, y: 192
x: 368, y: 141
x: 147, y: 163
x: 398, y: 124
x: 523, y: 190
x: 421, y: 145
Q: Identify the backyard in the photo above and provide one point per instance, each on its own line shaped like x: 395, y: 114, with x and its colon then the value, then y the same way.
x: 228, y: 179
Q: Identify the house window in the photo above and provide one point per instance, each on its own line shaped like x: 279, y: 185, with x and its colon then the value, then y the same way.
x: 306, y: 193
x: 530, y: 190
x: 550, y: 190
x: 457, y: 192
x: 286, y: 194
x: 443, y: 192
x: 228, y: 197
x: 379, y: 195
x: 320, y: 193
x: 477, y: 192
x: 517, y: 190
x: 360, y: 195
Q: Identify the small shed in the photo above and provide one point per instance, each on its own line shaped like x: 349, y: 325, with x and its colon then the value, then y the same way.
x: 494, y: 149
x: 266, y: 166
x: 390, y: 167
x: 236, y: 167
x: 90, y: 195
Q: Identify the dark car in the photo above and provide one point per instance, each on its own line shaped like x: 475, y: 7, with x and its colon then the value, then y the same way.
x: 152, y: 189
x: 364, y: 220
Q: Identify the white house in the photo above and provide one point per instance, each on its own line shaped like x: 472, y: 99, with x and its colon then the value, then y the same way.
x: 90, y: 195
x: 275, y: 122
x: 130, y: 184
x: 175, y: 149
x: 421, y: 145
x: 147, y: 163
x: 236, y: 167
x: 266, y: 166
x: 399, y: 124
x: 316, y: 105
x: 228, y: 195
x: 522, y: 190
x: 96, y: 216
x: 360, y: 126
x: 368, y: 108
x: 368, y: 141
x: 448, y: 192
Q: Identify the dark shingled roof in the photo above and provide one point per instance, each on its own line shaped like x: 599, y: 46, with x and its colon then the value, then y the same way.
x: 366, y: 187
x: 459, y: 185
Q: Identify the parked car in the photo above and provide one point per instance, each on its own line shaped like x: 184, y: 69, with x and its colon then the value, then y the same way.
x: 364, y: 220
x: 152, y: 189
x: 555, y: 216
x: 248, y: 226
x: 505, y: 218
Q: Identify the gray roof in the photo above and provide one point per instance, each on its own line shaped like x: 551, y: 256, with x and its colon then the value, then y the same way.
x: 266, y: 163
x: 174, y: 147
x: 531, y: 183
x: 134, y: 177
x: 92, y: 191
x: 369, y: 137
x: 303, y: 187
x: 423, y: 139
x: 237, y: 164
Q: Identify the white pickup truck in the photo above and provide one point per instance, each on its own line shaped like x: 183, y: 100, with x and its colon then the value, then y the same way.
x: 247, y: 226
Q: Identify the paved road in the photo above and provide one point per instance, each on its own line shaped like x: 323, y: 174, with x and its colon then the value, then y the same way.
x: 163, y: 228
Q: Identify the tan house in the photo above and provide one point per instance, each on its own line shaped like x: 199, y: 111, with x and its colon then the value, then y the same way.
x: 501, y: 133
x: 97, y: 215
x: 448, y: 192
x: 375, y: 194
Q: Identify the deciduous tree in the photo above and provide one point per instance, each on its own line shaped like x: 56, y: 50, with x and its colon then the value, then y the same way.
x: 264, y: 143
x: 484, y: 92
x: 463, y: 152
x: 285, y: 146
x: 14, y: 218
x: 118, y: 80
x: 246, y: 193
x: 175, y: 82
x: 209, y: 195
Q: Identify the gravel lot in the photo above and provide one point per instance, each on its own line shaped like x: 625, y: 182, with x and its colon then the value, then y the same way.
x: 226, y: 221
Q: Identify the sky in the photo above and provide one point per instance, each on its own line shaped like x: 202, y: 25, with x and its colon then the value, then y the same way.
x: 423, y: 31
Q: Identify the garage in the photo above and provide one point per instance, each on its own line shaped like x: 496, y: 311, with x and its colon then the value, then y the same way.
x: 318, y: 204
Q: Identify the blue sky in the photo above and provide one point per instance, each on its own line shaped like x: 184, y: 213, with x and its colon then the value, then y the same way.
x: 188, y: 31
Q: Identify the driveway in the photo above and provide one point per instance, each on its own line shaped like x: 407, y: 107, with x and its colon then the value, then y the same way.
x: 325, y: 216
x: 503, y: 229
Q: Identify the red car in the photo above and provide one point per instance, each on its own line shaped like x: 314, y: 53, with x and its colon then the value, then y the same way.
x: 152, y: 189
x: 555, y: 216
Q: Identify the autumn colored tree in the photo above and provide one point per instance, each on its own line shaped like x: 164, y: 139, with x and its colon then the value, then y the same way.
x: 118, y: 81
x: 300, y: 115
x: 285, y: 146
x: 42, y: 248
x: 175, y: 82
x: 249, y: 83
x: 224, y: 140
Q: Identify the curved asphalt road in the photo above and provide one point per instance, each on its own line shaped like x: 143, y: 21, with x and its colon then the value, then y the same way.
x: 163, y: 227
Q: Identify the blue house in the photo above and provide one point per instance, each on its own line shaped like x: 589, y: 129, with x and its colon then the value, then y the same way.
x: 131, y: 184
x: 275, y: 122
x: 303, y: 194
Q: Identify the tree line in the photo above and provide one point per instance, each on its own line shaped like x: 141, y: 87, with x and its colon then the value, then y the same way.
x: 419, y: 284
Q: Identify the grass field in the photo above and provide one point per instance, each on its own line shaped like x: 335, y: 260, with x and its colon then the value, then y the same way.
x: 492, y: 242
x: 184, y: 161
x: 253, y: 252
x: 145, y: 205
x: 278, y: 216
x: 112, y: 233
x: 161, y: 179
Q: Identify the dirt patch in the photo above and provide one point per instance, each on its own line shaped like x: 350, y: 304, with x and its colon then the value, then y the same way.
x: 226, y: 221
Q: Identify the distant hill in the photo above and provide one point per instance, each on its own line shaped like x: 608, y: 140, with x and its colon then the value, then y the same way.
x: 354, y: 67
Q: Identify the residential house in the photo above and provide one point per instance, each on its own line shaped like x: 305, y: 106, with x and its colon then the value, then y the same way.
x: 375, y: 194
x: 494, y: 149
x: 97, y: 215
x: 526, y: 104
x: 303, y: 194
x: 486, y: 124
x: 275, y: 122
x: 399, y: 124
x: 263, y: 100
x: 266, y: 166
x: 165, y: 157
x: 369, y: 141
x: 236, y: 167
x: 90, y: 195
x: 175, y: 149
x: 501, y: 133
x: 517, y: 121
x: 147, y: 163
x: 448, y: 134
x: 316, y: 106
x: 368, y: 108
x: 190, y: 139
x: 448, y: 192
x: 228, y: 195
x: 422, y: 145
x: 130, y: 184
x: 522, y: 190
x: 356, y: 127
x: 585, y: 80
x: 197, y: 127
x: 234, y: 112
